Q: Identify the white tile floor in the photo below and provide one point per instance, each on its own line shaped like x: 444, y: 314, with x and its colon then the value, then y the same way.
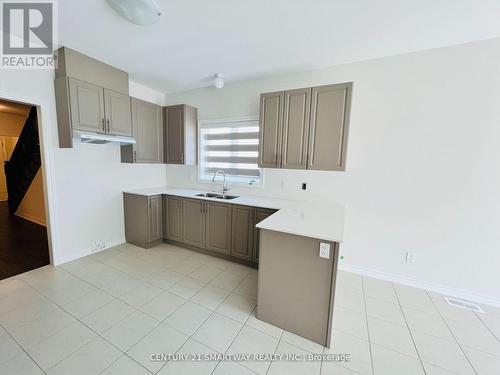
x: 106, y: 313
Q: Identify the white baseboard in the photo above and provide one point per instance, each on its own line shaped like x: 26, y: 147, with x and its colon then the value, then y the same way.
x: 30, y: 218
x: 66, y: 259
x: 433, y: 287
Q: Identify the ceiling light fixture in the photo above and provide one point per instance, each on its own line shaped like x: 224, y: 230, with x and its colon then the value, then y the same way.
x: 218, y: 81
x: 139, y: 12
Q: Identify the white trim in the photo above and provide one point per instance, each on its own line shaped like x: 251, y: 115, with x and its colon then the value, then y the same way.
x: 226, y: 120
x: 109, y: 244
x: 433, y: 287
x: 47, y: 122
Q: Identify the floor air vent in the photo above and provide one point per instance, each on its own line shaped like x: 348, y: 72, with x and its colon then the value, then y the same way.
x: 464, y: 304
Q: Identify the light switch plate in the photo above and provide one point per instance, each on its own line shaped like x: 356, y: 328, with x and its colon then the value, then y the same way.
x: 324, y: 250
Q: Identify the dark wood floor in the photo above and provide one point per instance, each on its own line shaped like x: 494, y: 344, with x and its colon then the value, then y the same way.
x: 23, y: 244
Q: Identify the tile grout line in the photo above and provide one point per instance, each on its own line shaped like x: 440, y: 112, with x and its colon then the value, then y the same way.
x: 456, y: 341
x: 21, y: 347
x: 366, y: 321
x: 409, y: 330
x: 135, y: 309
x: 487, y: 327
x: 276, y: 349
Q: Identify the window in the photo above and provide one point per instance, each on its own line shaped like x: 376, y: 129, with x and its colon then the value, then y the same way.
x: 232, y: 146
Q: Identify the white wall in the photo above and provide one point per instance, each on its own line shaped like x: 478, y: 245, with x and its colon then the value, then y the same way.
x: 85, y: 182
x: 422, y: 165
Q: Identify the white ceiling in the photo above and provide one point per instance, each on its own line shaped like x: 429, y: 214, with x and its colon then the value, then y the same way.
x: 243, y: 39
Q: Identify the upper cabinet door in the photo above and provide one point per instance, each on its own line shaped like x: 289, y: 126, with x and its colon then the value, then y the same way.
x: 330, y: 109
x: 147, y: 131
x: 271, y: 123
x: 297, y: 105
x: 87, y: 106
x: 174, y: 134
x: 118, y: 115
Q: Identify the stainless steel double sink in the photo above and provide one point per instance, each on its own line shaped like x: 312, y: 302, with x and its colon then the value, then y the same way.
x: 217, y: 196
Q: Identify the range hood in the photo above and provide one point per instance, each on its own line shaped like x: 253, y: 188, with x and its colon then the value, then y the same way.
x: 95, y: 138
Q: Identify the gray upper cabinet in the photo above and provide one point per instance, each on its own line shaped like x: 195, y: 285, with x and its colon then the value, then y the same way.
x: 271, y: 123
x: 155, y: 218
x: 242, y: 232
x: 305, y: 128
x: 118, y: 114
x: 218, y: 227
x: 147, y: 131
x: 330, y: 108
x: 193, y: 222
x: 297, y: 105
x: 90, y: 97
x: 87, y: 106
x: 180, y: 134
x: 172, y: 218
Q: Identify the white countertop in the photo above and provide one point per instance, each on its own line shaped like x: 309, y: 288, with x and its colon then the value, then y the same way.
x: 315, y: 220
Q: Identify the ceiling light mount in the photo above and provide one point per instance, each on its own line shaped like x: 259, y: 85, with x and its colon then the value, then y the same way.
x: 139, y: 12
x: 218, y: 81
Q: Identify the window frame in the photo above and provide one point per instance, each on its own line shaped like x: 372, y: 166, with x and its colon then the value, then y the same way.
x: 217, y: 123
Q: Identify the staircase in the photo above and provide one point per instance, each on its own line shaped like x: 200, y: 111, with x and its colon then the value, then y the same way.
x: 24, y: 163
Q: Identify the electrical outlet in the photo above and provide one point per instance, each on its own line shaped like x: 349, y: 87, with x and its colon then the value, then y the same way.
x: 324, y: 250
x: 410, y: 257
x: 99, y: 245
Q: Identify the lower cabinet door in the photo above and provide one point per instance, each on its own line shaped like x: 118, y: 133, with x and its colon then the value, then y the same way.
x: 155, y: 218
x: 242, y: 232
x: 260, y: 214
x: 218, y: 227
x: 172, y: 218
x: 193, y: 222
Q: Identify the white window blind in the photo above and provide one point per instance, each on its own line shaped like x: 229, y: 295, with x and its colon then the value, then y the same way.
x: 232, y: 146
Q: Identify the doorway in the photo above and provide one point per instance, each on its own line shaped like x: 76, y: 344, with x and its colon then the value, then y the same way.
x: 23, y: 232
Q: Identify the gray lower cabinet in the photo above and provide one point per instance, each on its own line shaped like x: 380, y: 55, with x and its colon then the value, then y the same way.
x: 172, y: 218
x: 271, y: 124
x: 180, y: 134
x: 296, y: 287
x: 155, y: 216
x: 260, y: 214
x: 330, y: 108
x: 143, y: 219
x: 86, y: 106
x: 193, y: 222
x: 305, y: 128
x: 147, y: 131
x: 242, y: 232
x: 218, y: 227
x: 118, y: 113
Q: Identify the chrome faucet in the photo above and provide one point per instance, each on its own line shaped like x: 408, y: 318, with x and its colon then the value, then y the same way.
x: 224, y: 186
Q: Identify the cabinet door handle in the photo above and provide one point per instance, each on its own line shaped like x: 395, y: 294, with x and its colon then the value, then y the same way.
x: 103, y: 125
x: 108, y: 124
x: 135, y: 155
